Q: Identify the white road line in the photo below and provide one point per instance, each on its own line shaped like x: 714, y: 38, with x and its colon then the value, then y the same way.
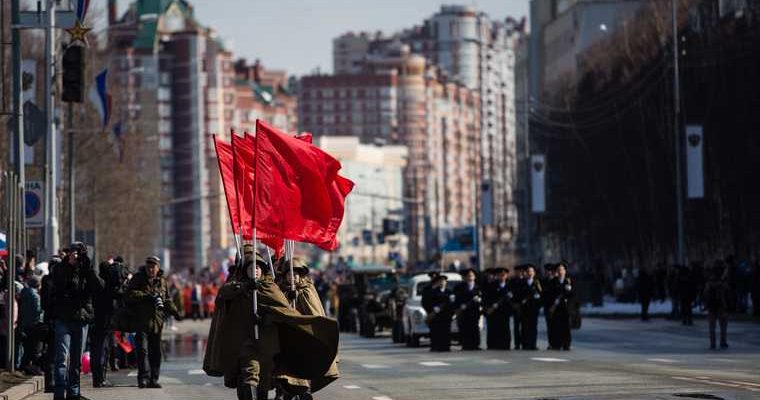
x: 663, y: 360
x: 381, y: 398
x: 133, y: 373
x: 351, y: 387
x: 195, y: 372
x: 375, y: 366
x: 208, y: 384
x: 496, y: 361
x: 744, y: 383
x: 434, y: 364
x: 549, y: 359
x: 731, y: 384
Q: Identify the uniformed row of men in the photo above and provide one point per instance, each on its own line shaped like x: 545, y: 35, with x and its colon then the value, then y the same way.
x: 271, y: 333
x: 501, y: 297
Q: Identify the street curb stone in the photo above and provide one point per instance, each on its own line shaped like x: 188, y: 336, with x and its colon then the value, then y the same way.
x: 24, y: 389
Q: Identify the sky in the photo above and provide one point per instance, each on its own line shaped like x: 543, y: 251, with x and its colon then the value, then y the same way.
x: 296, y: 35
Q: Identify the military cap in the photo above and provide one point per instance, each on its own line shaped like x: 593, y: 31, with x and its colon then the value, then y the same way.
x: 153, y: 260
x: 248, y: 248
x: 467, y: 271
x: 498, y: 270
x: 78, y: 247
x: 119, y: 259
x: 439, y: 277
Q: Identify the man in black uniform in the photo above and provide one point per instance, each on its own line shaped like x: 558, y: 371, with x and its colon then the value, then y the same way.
x: 558, y: 294
x: 497, y: 309
x: 550, y: 272
x: 437, y: 300
x: 531, y: 305
x: 515, y: 286
x: 468, y: 300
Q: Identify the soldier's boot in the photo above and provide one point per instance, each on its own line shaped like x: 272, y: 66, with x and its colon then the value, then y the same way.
x: 244, y: 392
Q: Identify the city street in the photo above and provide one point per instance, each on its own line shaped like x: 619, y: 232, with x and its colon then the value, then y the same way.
x: 611, y: 359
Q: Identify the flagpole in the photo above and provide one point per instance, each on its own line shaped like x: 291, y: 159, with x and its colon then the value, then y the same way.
x: 229, y: 211
x: 271, y: 264
x: 255, y: 179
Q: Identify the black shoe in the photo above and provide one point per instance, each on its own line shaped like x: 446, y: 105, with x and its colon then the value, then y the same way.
x: 154, y: 385
x: 142, y: 384
x: 103, y: 384
x: 724, y: 345
x: 712, y: 346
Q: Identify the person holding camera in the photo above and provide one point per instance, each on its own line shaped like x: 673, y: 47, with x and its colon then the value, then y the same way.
x: 148, y: 297
x: 73, y: 283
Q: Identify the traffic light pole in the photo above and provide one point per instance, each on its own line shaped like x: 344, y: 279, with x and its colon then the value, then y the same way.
x: 18, y: 110
x: 72, y: 171
x: 51, y: 226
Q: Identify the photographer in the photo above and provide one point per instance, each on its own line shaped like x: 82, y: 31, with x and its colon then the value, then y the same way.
x: 148, y: 297
x: 73, y: 283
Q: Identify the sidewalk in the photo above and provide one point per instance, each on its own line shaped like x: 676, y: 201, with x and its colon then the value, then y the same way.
x: 613, y: 309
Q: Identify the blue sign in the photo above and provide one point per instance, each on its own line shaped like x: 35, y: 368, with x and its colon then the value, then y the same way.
x: 33, y: 204
x: 459, y: 239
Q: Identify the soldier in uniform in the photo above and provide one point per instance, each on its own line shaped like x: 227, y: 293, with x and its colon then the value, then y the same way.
x: 530, y: 306
x: 497, y: 307
x: 550, y: 272
x: 515, y: 285
x: 437, y: 300
x: 558, y: 294
x: 468, y: 299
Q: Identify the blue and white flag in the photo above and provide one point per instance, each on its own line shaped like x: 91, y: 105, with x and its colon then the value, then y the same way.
x: 100, y: 97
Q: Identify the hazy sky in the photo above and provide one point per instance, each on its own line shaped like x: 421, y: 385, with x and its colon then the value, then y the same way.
x: 296, y: 35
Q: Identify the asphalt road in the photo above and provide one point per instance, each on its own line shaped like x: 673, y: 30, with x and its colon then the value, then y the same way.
x: 611, y: 359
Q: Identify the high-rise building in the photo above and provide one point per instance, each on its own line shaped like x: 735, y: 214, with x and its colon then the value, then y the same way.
x: 399, y: 99
x: 478, y: 53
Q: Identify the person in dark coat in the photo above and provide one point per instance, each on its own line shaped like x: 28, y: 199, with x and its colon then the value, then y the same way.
x: 105, y: 304
x: 437, y: 301
x: 48, y: 359
x: 687, y: 293
x: 715, y: 300
x: 550, y: 272
x: 646, y: 288
x: 559, y: 292
x: 515, y: 285
x: 148, y: 295
x: 74, y: 282
x: 497, y: 307
x: 468, y: 299
x: 755, y: 287
x: 532, y: 293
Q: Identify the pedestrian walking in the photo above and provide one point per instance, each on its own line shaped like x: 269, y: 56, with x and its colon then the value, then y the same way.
x: 468, y: 299
x: 74, y: 282
x: 559, y: 294
x: 531, y: 306
x: 105, y: 303
x: 497, y: 309
x: 437, y: 301
x: 148, y: 296
x: 31, y: 327
x: 646, y: 289
x: 716, y: 301
x: 686, y: 292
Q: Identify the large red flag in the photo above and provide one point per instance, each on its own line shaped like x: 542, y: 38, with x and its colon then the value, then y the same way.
x: 295, y: 188
x: 224, y: 158
x: 341, y: 187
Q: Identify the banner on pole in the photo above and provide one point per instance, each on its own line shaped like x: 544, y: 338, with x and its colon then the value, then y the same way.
x: 537, y: 183
x: 694, y: 162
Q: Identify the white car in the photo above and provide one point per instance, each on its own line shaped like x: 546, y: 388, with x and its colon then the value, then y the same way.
x: 415, y: 326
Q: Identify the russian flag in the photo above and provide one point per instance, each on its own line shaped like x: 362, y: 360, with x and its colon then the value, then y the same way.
x: 82, y: 6
x: 3, y: 244
x: 100, y: 97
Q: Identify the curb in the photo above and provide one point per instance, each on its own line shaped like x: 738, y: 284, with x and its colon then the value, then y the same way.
x: 24, y: 389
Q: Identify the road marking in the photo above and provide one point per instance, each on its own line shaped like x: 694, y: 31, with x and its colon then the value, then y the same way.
x: 495, y: 361
x: 208, y: 384
x: 725, y: 360
x: 752, y: 387
x: 381, y: 398
x: 351, y: 387
x: 133, y: 373
x: 549, y: 359
x: 374, y: 366
x: 195, y: 372
x: 434, y: 364
x: 662, y: 360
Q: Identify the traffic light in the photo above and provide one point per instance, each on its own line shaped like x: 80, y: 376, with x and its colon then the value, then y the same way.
x: 73, y: 75
x: 391, y: 227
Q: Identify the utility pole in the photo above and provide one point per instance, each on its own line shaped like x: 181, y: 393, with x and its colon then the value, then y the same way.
x: 677, y: 139
x: 72, y: 172
x: 20, y: 180
x: 51, y: 227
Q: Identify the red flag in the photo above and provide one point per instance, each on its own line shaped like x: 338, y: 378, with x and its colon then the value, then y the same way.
x: 224, y: 158
x: 295, y: 192
x: 242, y: 150
x: 340, y: 189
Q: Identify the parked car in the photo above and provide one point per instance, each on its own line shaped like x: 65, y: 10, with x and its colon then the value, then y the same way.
x: 414, y: 315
